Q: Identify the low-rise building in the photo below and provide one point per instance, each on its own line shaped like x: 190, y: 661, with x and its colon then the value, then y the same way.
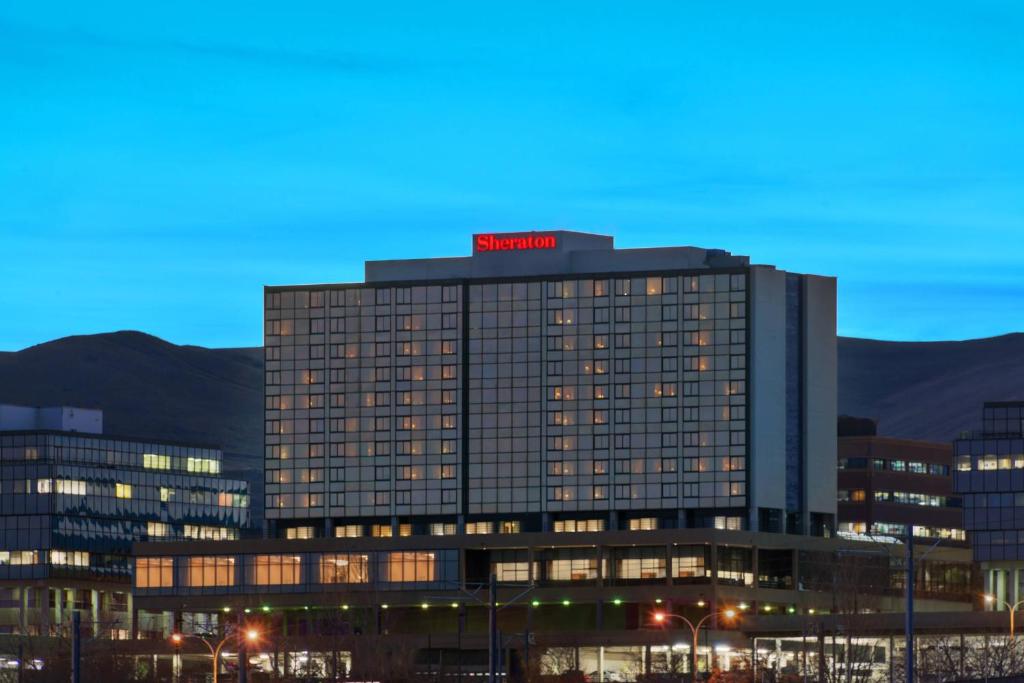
x: 888, y: 486
x: 72, y: 502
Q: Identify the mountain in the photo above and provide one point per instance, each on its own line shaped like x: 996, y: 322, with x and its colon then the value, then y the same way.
x: 149, y: 387
x: 928, y: 390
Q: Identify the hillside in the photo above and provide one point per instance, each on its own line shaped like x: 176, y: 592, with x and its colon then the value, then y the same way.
x: 928, y: 390
x: 149, y: 387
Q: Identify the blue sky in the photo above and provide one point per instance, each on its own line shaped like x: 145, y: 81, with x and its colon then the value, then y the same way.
x: 159, y: 163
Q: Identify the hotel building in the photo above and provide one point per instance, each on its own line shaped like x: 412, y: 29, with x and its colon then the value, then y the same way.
x: 72, y: 502
x: 552, y: 382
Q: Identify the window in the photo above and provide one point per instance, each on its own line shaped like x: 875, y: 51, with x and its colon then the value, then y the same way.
x: 344, y: 568
x: 154, y: 572
x: 571, y: 565
x: 643, y: 524
x: 158, y: 529
x: 210, y: 571
x: 479, y: 528
x: 578, y: 525
x: 276, y: 570
x: 640, y: 563
x: 410, y: 566
x: 442, y: 529
x: 509, y: 526
x: 203, y: 465
x: 689, y: 563
x: 123, y: 490
x: 19, y: 557
x: 512, y: 571
x: 69, y: 558
x: 348, y: 531
x: 210, y: 533
x: 300, y: 532
x: 380, y: 530
x: 156, y: 461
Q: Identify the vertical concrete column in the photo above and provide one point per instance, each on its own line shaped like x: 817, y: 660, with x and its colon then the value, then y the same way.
x: 94, y: 611
x: 714, y: 586
x: 47, y: 617
x: 23, y: 610
x: 669, y: 552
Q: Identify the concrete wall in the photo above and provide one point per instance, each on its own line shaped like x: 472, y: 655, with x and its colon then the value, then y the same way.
x: 820, y: 398
x: 767, y: 467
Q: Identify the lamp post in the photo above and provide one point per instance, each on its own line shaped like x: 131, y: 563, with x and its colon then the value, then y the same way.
x: 662, y: 619
x: 993, y: 600
x: 242, y: 636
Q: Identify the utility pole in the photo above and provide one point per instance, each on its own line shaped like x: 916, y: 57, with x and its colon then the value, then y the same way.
x: 492, y: 629
x: 908, y: 624
x: 76, y: 647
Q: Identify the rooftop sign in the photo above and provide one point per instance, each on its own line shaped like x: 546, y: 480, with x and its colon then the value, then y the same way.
x: 513, y: 242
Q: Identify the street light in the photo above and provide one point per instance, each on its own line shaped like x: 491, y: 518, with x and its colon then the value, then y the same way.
x: 251, y: 635
x: 662, y: 618
x: 993, y: 600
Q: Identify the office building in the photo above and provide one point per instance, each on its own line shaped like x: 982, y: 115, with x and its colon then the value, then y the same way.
x: 888, y: 486
x: 989, y: 475
x: 72, y: 502
x: 550, y: 382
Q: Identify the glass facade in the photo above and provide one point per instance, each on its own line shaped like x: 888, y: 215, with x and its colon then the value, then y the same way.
x: 989, y: 475
x: 72, y: 504
x: 549, y: 396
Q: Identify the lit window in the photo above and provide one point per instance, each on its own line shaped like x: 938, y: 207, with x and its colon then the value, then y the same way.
x: 44, y: 486
x: 442, y: 529
x: 69, y: 487
x: 203, y: 465
x: 299, y: 532
x: 643, y: 524
x: 963, y: 463
x: 410, y: 566
x: 578, y: 525
x: 512, y: 571
x: 123, y: 490
x: 510, y: 526
x: 348, y: 531
x: 19, y: 557
x: 210, y: 571
x: 344, y: 568
x: 276, y: 570
x: 479, y: 528
x: 210, y: 533
x: 69, y: 558
x: 380, y: 530
x: 166, y: 494
x: 154, y: 572
x: 158, y: 529
x: 156, y: 461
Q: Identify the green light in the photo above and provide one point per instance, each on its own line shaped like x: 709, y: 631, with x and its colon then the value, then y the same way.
x: 535, y: 603
x: 455, y: 605
x: 384, y: 606
x: 566, y: 603
x: 657, y: 600
x: 266, y: 608
x: 617, y: 601
x: 425, y: 605
x: 791, y: 609
x: 305, y: 607
x: 227, y: 609
x: 344, y: 607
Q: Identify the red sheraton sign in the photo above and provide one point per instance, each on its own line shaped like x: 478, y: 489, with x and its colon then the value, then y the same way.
x: 522, y: 242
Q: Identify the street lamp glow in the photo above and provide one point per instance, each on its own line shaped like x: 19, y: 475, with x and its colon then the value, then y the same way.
x: 252, y: 635
x: 743, y: 606
x: 659, y: 617
x: 989, y: 598
x: 455, y: 605
x: 730, y: 614
x: 425, y: 605
x: 701, y: 603
x: 176, y: 639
